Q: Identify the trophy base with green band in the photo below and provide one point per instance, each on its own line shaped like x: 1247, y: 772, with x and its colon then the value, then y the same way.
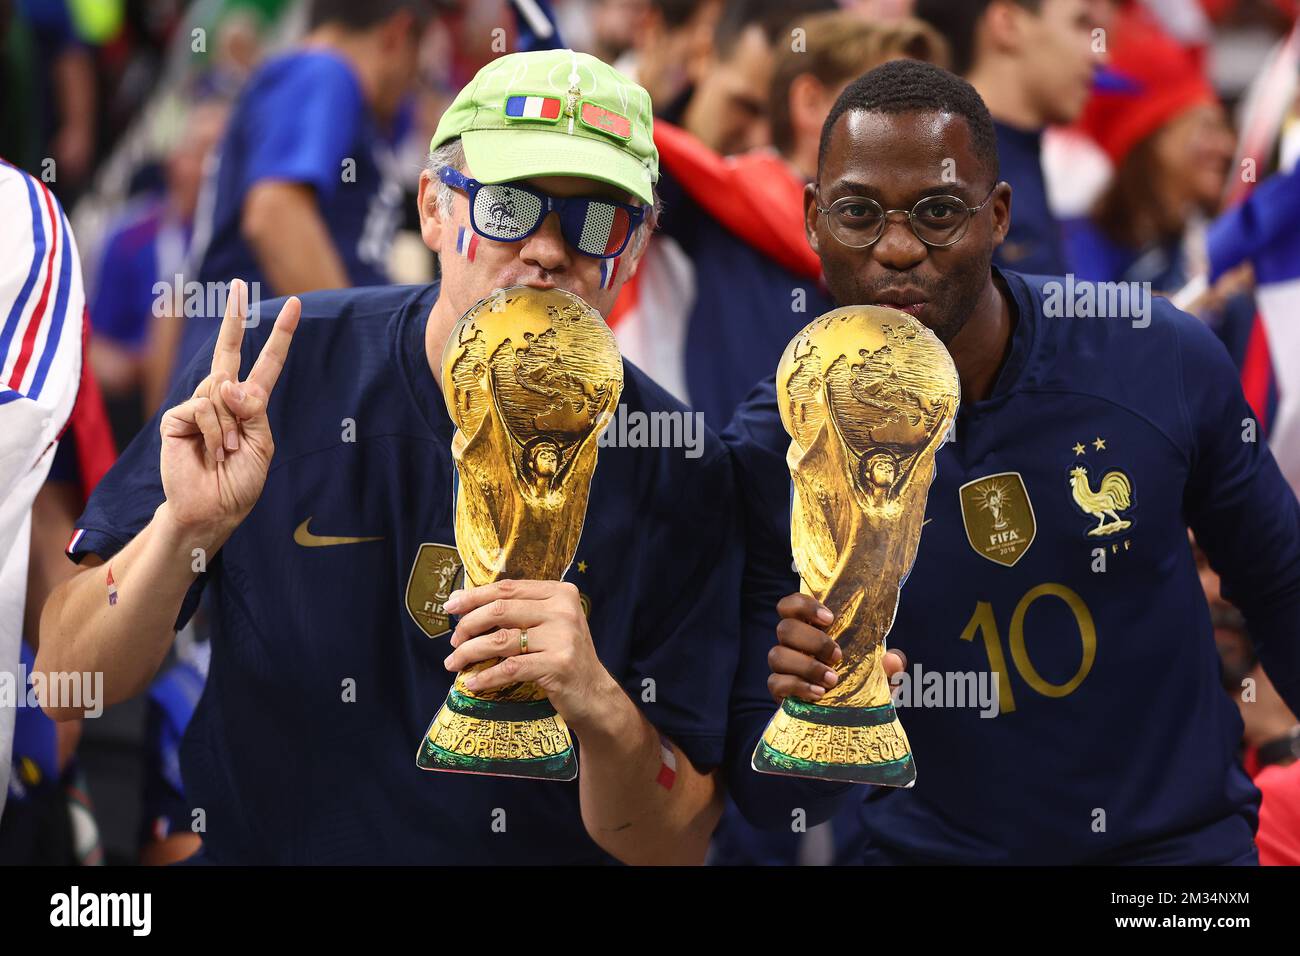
x: 509, y: 738
x: 852, y: 744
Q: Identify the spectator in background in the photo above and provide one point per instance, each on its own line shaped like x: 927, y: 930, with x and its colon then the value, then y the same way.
x: 674, y: 35
x: 304, y: 195
x: 1167, y: 137
x: 726, y: 105
x: 146, y: 245
x: 1032, y: 62
x: 47, y: 93
x: 710, y: 341
x: 724, y: 111
x: 614, y: 26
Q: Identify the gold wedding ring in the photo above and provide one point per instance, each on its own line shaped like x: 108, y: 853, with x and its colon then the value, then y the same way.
x: 523, y: 641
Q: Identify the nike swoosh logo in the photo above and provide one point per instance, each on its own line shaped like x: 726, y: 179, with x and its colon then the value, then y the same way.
x: 308, y: 540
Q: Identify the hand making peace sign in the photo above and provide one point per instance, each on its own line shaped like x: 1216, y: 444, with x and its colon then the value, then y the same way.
x: 217, y: 446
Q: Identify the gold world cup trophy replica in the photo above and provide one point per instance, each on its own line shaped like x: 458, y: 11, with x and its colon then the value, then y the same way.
x: 531, y: 378
x: 868, y: 395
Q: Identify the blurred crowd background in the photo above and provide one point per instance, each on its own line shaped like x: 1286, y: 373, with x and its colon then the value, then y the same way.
x: 1129, y: 131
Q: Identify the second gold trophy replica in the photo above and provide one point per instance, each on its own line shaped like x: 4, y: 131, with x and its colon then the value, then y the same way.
x: 867, y: 394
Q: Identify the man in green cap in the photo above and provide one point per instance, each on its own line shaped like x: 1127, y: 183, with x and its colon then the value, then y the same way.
x: 555, y: 123
x: 330, y: 551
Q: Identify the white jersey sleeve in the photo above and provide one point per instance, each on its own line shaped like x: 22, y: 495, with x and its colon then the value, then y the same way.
x: 42, y: 310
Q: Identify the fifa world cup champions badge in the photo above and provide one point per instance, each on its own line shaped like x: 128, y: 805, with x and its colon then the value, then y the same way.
x: 868, y: 395
x: 531, y: 377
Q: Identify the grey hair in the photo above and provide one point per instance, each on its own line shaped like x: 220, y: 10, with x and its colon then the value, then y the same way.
x: 451, y: 154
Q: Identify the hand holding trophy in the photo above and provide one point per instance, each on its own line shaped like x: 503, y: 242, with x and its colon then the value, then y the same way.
x: 867, y: 394
x: 531, y: 377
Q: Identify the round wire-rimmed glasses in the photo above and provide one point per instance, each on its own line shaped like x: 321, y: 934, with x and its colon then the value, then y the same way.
x: 938, y: 221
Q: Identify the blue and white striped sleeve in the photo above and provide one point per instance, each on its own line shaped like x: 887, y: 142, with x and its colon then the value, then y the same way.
x: 42, y: 310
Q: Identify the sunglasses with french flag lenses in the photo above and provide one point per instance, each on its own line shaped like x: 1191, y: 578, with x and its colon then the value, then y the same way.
x: 510, y: 213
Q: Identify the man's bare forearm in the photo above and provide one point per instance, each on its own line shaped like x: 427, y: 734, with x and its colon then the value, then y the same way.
x: 121, y: 626
x: 637, y: 804
x: 289, y: 237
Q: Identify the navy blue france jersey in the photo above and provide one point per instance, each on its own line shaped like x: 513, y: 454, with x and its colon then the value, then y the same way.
x: 322, y: 683
x: 301, y: 119
x: 1054, y: 564
x: 1035, y: 242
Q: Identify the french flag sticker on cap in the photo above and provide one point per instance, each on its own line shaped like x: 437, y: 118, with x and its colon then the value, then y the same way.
x: 533, y: 107
x: 608, y: 269
x: 466, y: 242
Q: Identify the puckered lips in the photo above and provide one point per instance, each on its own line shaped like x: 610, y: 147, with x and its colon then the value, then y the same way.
x: 907, y: 299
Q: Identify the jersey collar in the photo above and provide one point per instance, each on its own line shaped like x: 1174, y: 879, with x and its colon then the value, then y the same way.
x: 411, y: 322
x: 1014, y: 369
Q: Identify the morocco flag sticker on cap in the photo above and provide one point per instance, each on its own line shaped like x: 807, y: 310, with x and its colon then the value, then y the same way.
x: 607, y: 121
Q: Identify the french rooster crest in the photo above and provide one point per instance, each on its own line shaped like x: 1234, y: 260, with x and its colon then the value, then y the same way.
x: 1114, y: 495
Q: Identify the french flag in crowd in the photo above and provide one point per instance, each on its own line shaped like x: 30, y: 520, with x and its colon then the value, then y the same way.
x: 1264, y: 229
x: 466, y: 242
x: 533, y: 107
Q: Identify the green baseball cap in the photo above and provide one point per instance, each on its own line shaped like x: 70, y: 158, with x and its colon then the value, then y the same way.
x: 554, y: 113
